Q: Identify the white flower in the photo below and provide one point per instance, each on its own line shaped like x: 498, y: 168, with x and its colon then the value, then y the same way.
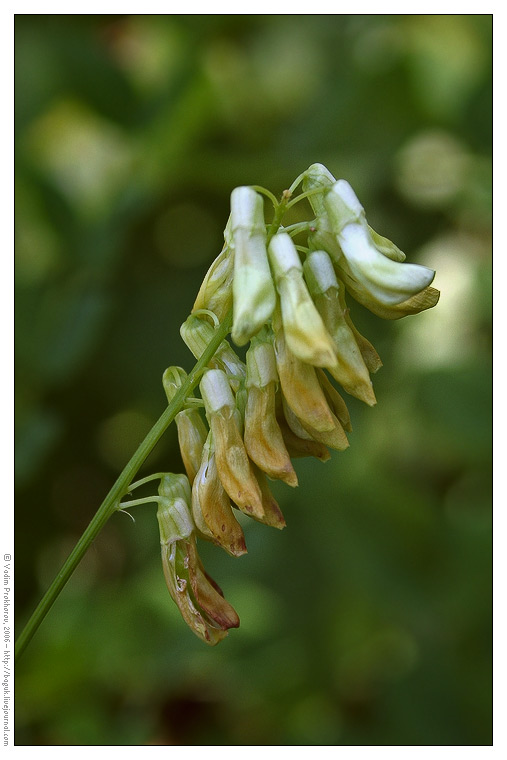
x: 254, y: 294
x: 363, y: 265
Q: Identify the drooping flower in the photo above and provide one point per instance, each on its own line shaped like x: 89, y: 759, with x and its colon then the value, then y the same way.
x: 370, y: 265
x: 199, y: 599
x: 300, y: 387
x: 211, y: 506
x: 192, y: 432
x: 349, y: 369
x: 303, y: 327
x: 363, y: 265
x: 334, y: 438
x: 263, y: 437
x: 233, y: 464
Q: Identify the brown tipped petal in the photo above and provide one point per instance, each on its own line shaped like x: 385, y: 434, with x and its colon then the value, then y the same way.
x: 209, y: 599
x: 174, y: 558
x: 263, y: 437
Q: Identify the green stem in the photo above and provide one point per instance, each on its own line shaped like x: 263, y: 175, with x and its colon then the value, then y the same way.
x: 297, y: 228
x: 279, y: 212
x: 137, y: 502
x: 119, y: 489
x: 267, y: 193
x: 302, y: 196
x: 138, y: 483
x: 296, y: 182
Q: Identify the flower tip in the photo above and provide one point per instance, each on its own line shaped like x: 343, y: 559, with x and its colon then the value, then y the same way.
x: 291, y: 479
x: 367, y: 394
x: 239, y: 548
x: 321, y: 173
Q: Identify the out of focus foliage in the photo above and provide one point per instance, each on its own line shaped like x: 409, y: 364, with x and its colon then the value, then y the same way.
x: 368, y: 619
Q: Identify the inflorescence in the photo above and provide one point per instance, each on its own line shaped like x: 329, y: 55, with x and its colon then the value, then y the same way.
x: 289, y: 304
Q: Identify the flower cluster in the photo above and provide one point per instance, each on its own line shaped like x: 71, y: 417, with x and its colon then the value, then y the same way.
x: 279, y: 403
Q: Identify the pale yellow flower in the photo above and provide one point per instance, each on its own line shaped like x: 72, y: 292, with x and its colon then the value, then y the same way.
x: 263, y: 437
x: 349, y: 369
x: 234, y: 466
x: 303, y: 327
x: 211, y: 506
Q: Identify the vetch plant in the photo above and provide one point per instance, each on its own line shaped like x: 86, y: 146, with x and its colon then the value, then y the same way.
x: 251, y: 419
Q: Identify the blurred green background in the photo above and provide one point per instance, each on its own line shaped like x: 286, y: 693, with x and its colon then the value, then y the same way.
x: 367, y: 621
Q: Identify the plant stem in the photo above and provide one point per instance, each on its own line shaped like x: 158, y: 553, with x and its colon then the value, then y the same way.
x: 119, y: 489
x: 280, y: 210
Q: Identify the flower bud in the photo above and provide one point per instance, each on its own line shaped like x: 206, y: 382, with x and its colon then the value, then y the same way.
x: 263, y: 437
x: 349, y: 369
x: 253, y: 290
x: 192, y: 434
x: 197, y: 333
x: 215, y: 293
x: 173, y: 514
x: 192, y: 431
x: 234, y: 467
x: 388, y: 281
x: 305, y: 332
x: 211, y: 507
x: 172, y: 380
x: 317, y: 177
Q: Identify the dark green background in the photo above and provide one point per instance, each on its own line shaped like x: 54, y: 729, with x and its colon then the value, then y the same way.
x: 367, y: 621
